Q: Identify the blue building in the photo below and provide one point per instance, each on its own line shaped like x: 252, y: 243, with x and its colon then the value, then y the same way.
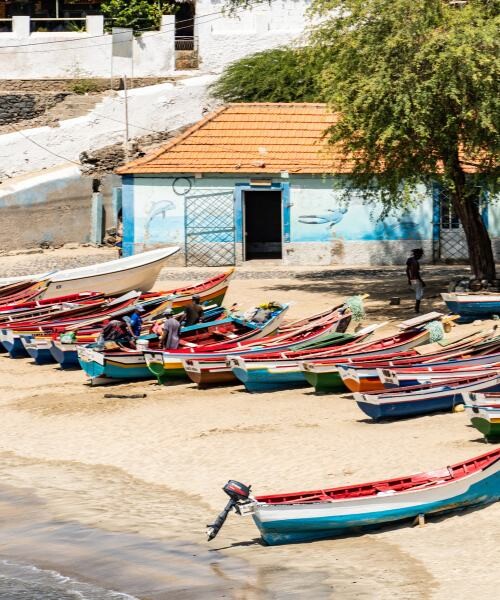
x: 255, y: 181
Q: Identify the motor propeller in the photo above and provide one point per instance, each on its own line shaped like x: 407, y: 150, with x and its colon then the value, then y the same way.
x: 238, y: 494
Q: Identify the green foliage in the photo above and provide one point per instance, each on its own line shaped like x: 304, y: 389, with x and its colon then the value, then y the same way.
x: 280, y: 75
x: 84, y: 86
x: 416, y: 85
x: 136, y: 14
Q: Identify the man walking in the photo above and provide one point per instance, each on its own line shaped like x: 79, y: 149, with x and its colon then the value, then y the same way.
x: 415, y: 281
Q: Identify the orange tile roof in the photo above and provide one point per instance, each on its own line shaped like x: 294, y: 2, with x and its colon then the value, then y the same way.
x: 250, y: 138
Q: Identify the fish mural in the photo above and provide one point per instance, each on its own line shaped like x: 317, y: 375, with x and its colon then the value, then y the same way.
x: 163, y: 224
x: 330, y: 218
x: 160, y: 208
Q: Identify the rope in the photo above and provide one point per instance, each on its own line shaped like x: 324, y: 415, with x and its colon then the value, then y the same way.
x: 356, y: 306
x: 436, y: 331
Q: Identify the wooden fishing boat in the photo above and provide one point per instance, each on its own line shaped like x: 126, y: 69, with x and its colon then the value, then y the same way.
x: 331, y: 512
x: 130, y: 363
x: 73, y: 317
x: 219, y: 371
x: 166, y: 365
x: 324, y: 375
x: 172, y: 364
x: 394, y: 378
x: 375, y: 375
x: 138, y: 272
x: 491, y: 399
x: 484, y: 412
x: 38, y: 349
x: 263, y: 373
x: 211, y: 291
x: 21, y: 292
x: 473, y: 305
x: 486, y: 419
x: 66, y: 353
x: 273, y: 370
x: 422, y: 399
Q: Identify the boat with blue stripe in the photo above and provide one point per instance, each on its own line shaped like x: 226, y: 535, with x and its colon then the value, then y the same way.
x: 324, y: 513
x: 471, y: 305
x: 417, y: 400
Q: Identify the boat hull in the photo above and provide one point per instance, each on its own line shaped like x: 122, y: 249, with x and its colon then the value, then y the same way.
x: 325, y: 383
x: 267, y: 378
x: 473, y: 305
x: 65, y: 354
x: 99, y: 365
x: 116, y: 277
x: 209, y: 375
x: 38, y: 350
x: 284, y: 524
x: 13, y: 344
x: 427, y: 401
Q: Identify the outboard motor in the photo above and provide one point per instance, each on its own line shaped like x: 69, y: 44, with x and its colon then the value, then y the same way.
x: 238, y: 494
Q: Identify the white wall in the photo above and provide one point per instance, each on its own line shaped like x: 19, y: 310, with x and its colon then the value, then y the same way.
x: 162, y: 107
x: 88, y: 54
x: 226, y: 38
x: 222, y: 38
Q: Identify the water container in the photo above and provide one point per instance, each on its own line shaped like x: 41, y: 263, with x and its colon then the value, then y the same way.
x: 142, y: 345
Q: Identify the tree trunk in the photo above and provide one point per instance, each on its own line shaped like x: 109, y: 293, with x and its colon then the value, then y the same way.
x: 467, y: 206
x: 481, y: 258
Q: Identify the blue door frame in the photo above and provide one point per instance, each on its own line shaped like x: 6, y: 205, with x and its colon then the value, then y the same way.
x: 239, y: 190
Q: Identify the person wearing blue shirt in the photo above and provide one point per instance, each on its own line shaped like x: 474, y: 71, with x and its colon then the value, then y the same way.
x: 136, y: 321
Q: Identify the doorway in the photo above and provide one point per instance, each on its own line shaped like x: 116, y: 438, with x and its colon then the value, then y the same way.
x: 263, y: 224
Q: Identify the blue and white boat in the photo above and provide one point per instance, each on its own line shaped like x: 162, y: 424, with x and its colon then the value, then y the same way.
x: 324, y: 513
x: 65, y: 354
x: 38, y: 349
x: 13, y: 343
x: 267, y: 376
x: 473, y: 306
x: 416, y: 400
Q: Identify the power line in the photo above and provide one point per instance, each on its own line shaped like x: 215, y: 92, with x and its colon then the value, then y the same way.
x: 92, y: 46
x: 44, y: 147
x: 191, y: 20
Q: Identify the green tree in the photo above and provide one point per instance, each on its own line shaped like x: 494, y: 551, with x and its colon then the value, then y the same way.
x: 415, y: 83
x: 136, y: 14
x: 279, y: 75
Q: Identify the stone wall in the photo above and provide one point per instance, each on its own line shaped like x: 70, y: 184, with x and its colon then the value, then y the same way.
x: 21, y: 107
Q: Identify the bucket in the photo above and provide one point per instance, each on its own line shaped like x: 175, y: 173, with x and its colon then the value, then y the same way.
x: 142, y: 345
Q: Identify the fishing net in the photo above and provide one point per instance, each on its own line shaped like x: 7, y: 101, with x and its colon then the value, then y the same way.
x: 356, y: 306
x: 436, y: 331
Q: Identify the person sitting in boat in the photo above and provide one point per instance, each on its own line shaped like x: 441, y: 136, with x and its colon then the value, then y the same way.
x: 118, y: 332
x: 170, y: 336
x: 193, y: 312
x: 136, y: 321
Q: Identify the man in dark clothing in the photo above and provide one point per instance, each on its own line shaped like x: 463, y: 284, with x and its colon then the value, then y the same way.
x: 415, y: 281
x: 193, y: 312
x: 117, y: 331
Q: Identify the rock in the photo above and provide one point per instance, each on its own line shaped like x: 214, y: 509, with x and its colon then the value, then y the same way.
x: 71, y: 246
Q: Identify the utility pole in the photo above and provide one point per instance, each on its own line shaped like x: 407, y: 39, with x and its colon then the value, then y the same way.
x: 125, y: 96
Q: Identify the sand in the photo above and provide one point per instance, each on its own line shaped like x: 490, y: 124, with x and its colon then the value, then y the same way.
x: 137, y: 480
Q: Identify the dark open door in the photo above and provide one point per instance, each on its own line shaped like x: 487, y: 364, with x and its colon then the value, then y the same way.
x: 263, y: 224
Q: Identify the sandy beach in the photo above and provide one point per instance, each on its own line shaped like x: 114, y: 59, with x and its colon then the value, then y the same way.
x: 117, y: 492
